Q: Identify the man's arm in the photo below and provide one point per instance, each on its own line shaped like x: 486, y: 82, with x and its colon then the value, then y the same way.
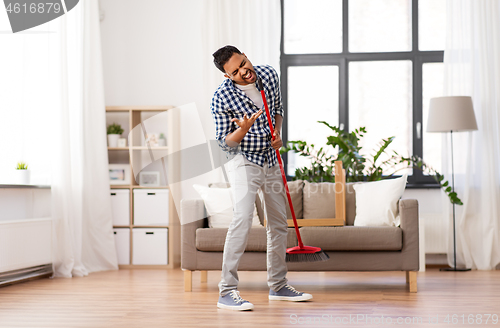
x: 277, y: 143
x: 278, y: 103
x: 278, y: 117
x: 223, y: 125
x: 279, y: 121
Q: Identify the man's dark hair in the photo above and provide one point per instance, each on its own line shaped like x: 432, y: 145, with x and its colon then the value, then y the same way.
x: 221, y: 56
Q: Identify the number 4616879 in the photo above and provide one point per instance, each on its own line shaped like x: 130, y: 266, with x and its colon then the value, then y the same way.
x: 477, y: 319
x: 34, y: 8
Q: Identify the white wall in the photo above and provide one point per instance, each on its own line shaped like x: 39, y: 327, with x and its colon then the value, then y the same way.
x: 151, y: 52
x: 152, y: 55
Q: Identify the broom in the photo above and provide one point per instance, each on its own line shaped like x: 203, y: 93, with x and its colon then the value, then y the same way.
x: 299, y: 253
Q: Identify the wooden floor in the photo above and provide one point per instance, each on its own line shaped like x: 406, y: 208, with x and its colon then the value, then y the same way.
x: 155, y: 298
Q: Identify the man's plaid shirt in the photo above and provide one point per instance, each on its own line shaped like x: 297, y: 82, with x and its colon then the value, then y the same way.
x: 230, y: 102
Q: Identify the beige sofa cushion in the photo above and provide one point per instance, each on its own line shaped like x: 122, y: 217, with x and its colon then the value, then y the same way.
x: 351, y: 238
x: 350, y: 204
x: 319, y: 200
x: 315, y: 198
x: 296, y: 194
x: 212, y: 239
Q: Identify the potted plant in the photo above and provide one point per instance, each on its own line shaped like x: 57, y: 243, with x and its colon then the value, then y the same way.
x: 357, y: 166
x: 114, y: 132
x: 22, y: 174
x: 162, y: 141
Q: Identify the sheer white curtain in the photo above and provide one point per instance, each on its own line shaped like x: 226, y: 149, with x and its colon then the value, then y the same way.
x: 254, y: 27
x: 472, y: 68
x: 81, y: 207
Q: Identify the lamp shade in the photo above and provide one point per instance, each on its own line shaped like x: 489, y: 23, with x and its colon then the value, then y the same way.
x: 451, y: 114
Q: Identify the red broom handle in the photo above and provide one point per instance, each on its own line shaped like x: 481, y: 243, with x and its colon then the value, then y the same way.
x: 281, y: 167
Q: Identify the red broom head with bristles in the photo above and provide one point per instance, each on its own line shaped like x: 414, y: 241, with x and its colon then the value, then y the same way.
x: 306, y: 254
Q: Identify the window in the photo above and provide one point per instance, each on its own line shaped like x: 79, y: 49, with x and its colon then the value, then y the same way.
x: 305, y: 112
x: 28, y: 85
x: 371, y: 63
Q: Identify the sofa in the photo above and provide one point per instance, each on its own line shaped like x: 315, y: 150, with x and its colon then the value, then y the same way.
x: 351, y: 248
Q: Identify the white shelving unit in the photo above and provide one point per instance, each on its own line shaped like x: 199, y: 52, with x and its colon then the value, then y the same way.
x: 155, y: 227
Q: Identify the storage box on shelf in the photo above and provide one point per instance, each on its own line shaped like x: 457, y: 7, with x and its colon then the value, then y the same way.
x: 120, y: 205
x: 122, y: 243
x: 151, y: 207
x: 146, y: 224
x: 149, y: 246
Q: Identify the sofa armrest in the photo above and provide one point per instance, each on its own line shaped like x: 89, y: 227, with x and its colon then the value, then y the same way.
x: 408, y: 210
x: 193, y: 216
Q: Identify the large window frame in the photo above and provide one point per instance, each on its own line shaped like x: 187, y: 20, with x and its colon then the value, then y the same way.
x: 417, y: 57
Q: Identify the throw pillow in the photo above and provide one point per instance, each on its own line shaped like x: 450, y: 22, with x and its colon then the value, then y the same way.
x: 295, y: 187
x: 259, y: 200
x: 319, y: 200
x: 377, y: 202
x: 219, y: 205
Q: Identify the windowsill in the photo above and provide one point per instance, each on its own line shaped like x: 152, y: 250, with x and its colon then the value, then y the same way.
x: 422, y: 186
x: 22, y: 186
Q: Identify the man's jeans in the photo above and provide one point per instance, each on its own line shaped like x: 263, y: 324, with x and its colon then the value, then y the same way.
x: 246, y: 178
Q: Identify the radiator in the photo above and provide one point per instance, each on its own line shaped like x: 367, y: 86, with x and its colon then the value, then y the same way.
x: 436, y: 232
x: 25, y: 243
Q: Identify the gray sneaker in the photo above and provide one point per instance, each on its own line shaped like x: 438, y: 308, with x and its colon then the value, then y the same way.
x: 288, y: 293
x: 233, y: 301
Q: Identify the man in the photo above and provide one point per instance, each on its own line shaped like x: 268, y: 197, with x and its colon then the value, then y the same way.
x: 241, y: 129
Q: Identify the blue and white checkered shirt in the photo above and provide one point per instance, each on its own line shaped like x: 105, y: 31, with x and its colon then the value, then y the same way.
x: 230, y: 102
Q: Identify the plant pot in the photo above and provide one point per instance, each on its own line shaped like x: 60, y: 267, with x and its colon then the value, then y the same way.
x: 113, y: 140
x: 21, y: 177
x: 162, y: 142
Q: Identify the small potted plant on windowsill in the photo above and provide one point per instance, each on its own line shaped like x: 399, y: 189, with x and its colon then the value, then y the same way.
x: 22, y: 174
x: 114, y: 133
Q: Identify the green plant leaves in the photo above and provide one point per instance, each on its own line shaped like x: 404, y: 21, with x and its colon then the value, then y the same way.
x: 383, y: 147
x: 22, y: 166
x: 114, y: 129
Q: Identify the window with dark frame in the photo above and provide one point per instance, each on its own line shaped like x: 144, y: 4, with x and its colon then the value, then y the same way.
x: 372, y: 63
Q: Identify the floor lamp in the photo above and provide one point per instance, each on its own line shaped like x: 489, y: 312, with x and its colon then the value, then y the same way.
x: 452, y: 114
